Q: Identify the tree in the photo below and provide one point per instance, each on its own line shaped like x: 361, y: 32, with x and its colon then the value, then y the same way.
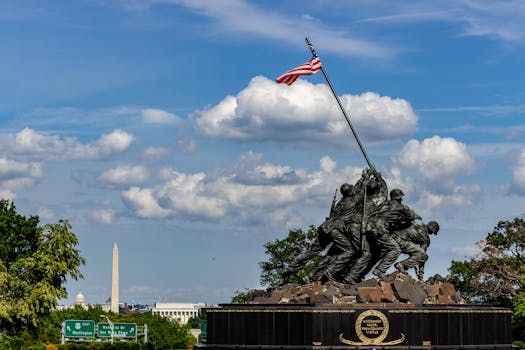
x: 494, y: 275
x: 167, y: 334
x: 282, y: 252
x: 195, y: 322
x: 35, y: 262
x: 461, y: 275
x: 497, y: 274
x: 162, y: 333
x: 518, y: 314
x: 239, y: 296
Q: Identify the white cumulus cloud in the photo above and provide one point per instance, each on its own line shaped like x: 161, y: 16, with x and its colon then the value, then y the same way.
x: 33, y: 144
x: 186, y: 193
x: 460, y: 197
x: 245, y: 191
x: 439, y: 164
x: 143, y: 203
x: 304, y: 112
x: 124, y: 175
x: 518, y: 176
x: 11, y: 168
x: 327, y: 164
x: 439, y: 160
x: 45, y: 213
x: 17, y: 175
x: 396, y: 179
x: 103, y: 216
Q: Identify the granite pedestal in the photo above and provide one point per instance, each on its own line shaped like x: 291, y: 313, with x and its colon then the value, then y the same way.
x: 352, y: 326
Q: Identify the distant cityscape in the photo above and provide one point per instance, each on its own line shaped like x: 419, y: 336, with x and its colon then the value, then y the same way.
x: 181, y: 312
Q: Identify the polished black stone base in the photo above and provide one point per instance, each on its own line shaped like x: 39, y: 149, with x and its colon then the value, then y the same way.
x: 374, y: 326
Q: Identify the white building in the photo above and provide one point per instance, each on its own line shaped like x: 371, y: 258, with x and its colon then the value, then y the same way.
x: 178, y: 311
x: 81, y: 300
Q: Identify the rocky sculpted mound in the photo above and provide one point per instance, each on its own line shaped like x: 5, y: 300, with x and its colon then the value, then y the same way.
x: 396, y: 288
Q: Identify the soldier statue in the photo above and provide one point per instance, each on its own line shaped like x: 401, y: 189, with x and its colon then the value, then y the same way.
x: 366, y: 229
x: 390, y: 216
x: 331, y: 233
x: 414, y: 242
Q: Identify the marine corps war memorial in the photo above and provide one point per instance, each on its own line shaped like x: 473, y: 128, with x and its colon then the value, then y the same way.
x: 349, y: 300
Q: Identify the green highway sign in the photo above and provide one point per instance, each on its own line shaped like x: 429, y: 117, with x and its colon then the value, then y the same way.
x: 204, y: 329
x: 122, y: 330
x: 79, y: 329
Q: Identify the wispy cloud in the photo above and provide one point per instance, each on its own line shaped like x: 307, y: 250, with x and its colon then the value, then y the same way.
x: 498, y: 149
x: 466, y: 251
x: 243, y: 17
x: 500, y: 20
x: 409, y: 15
x: 494, y: 110
x: 159, y: 116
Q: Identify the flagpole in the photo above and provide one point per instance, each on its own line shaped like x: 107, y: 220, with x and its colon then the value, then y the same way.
x: 310, y: 46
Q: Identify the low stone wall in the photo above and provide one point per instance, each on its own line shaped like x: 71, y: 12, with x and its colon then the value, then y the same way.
x: 396, y: 288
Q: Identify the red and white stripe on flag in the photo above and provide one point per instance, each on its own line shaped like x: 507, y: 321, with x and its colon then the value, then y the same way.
x: 307, y: 68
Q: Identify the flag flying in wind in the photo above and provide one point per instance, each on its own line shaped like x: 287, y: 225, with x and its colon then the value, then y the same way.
x: 307, y: 68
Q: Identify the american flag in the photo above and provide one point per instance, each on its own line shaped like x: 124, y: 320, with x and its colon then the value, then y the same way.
x: 307, y: 68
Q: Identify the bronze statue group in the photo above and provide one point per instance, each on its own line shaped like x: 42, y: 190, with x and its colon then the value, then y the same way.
x: 367, y: 231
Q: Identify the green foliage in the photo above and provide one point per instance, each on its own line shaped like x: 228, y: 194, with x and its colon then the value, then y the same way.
x: 461, y: 273
x: 494, y: 276
x: 10, y: 341
x: 239, y: 296
x: 35, y: 262
x: 497, y: 275
x: 518, y: 316
x: 166, y: 334
x: 282, y: 252
x: 519, y: 343
x: 102, y: 346
x: 162, y: 333
x: 195, y: 322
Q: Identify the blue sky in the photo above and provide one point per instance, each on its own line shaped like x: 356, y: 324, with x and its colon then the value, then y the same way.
x: 157, y: 124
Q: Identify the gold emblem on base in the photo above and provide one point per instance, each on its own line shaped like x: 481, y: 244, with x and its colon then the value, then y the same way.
x: 369, y: 323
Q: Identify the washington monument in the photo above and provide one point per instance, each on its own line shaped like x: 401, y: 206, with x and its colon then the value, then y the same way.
x: 114, y: 281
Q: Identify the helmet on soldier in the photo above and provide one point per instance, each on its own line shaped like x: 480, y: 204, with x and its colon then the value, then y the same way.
x: 396, y: 193
x: 346, y: 189
x: 433, y: 227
